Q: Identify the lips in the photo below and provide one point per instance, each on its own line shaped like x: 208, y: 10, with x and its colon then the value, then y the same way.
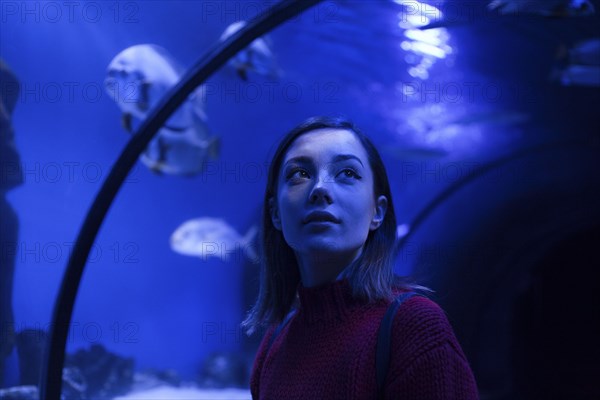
x: 320, y: 216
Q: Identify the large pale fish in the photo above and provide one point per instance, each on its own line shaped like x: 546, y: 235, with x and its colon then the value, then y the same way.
x: 137, y: 78
x: 257, y: 57
x: 212, y: 237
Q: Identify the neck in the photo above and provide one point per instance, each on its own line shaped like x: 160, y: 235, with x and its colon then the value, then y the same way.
x: 321, y: 268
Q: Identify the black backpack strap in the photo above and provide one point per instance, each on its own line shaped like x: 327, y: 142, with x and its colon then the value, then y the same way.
x: 382, y: 357
x: 280, y: 328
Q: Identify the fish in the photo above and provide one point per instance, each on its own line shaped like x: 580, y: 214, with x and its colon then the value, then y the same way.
x: 586, y: 52
x: 546, y: 8
x: 256, y: 58
x: 137, y: 78
x: 212, y: 237
x: 580, y: 75
x: 580, y: 65
x: 180, y: 152
x: 516, y: 8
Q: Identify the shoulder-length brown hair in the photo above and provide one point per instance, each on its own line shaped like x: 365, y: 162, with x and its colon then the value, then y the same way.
x: 371, y: 275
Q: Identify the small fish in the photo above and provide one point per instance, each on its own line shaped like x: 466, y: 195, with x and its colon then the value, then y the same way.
x: 212, y: 237
x: 546, y: 8
x: 585, y: 53
x: 580, y: 65
x: 257, y: 57
x: 580, y: 75
x: 137, y: 78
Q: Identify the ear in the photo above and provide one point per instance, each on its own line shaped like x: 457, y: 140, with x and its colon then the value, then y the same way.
x: 275, y: 219
x: 380, y: 209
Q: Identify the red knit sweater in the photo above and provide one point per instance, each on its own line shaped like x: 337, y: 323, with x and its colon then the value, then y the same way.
x: 327, y: 351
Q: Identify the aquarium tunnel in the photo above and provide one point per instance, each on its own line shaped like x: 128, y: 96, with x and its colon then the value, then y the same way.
x: 135, y: 142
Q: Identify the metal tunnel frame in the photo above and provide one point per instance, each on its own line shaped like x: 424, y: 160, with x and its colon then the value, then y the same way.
x: 479, y: 172
x: 277, y: 14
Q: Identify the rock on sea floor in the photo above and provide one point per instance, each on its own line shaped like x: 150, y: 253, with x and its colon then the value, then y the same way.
x: 19, y: 393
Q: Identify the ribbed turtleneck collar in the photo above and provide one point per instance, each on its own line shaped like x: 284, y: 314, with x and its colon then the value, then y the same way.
x: 331, y: 301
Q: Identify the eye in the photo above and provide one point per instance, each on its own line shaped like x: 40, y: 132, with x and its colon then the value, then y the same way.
x: 110, y: 82
x: 349, y: 173
x: 296, y: 174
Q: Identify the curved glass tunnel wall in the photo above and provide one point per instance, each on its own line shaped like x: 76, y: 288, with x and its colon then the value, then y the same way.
x: 488, y: 247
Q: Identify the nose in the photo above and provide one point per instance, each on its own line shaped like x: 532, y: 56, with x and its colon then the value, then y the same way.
x: 321, y: 192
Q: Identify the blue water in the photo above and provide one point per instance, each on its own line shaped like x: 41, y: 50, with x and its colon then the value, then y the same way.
x: 138, y: 297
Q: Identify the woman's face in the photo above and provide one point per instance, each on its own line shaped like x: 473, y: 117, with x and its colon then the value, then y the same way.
x: 325, y: 200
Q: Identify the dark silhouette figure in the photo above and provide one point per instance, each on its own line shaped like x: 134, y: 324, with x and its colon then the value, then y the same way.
x: 11, y: 176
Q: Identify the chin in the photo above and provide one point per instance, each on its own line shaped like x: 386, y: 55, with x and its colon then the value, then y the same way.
x: 326, y: 246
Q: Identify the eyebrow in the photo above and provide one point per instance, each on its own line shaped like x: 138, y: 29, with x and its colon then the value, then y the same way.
x: 338, y: 158
x: 344, y: 157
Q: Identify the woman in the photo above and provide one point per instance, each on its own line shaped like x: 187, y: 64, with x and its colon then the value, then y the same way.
x: 329, y: 233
